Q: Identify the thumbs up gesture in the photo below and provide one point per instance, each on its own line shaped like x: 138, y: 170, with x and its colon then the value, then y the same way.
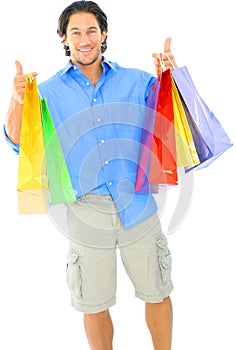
x: 166, y: 59
x: 19, y: 83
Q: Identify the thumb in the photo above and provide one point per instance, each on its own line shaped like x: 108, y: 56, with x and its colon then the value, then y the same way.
x: 19, y: 69
x: 167, y: 45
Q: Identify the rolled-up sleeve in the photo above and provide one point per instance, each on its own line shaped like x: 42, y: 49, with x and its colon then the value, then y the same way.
x: 14, y: 146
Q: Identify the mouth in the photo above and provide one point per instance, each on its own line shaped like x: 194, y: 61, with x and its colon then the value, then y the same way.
x: 85, y: 50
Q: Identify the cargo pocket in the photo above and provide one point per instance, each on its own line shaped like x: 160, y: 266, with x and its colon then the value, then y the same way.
x: 164, y: 259
x: 73, y: 274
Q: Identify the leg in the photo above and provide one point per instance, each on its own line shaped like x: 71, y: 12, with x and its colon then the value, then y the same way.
x: 148, y: 264
x: 99, y: 330
x: 159, y: 320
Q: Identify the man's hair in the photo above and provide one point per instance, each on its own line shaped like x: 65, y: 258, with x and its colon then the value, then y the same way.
x: 86, y: 7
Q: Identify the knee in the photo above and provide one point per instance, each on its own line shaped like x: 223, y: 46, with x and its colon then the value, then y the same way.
x: 97, y: 315
x: 159, y: 304
x: 157, y: 311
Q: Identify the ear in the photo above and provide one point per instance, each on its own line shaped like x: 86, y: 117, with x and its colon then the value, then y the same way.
x: 104, y: 35
x: 64, y: 41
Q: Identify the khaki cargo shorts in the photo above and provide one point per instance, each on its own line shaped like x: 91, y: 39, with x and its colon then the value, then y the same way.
x: 91, y: 261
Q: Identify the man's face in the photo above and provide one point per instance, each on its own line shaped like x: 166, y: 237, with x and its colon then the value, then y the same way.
x: 84, y: 38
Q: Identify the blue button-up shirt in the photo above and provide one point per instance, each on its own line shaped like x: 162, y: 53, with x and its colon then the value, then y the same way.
x: 99, y: 129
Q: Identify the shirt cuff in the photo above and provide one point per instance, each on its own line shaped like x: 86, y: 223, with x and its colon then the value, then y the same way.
x: 15, y: 147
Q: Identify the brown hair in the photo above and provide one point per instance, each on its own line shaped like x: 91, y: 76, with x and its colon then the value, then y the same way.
x: 82, y: 6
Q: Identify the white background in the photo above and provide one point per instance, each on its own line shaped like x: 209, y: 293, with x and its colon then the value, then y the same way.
x: 35, y: 311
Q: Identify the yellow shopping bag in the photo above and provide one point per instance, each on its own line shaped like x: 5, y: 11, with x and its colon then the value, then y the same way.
x: 32, y: 185
x: 185, y: 147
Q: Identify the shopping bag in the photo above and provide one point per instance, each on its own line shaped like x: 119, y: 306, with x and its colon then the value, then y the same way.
x: 210, y: 138
x: 32, y: 186
x: 185, y: 148
x: 163, y: 165
x: 157, y: 165
x: 143, y: 167
x: 60, y: 186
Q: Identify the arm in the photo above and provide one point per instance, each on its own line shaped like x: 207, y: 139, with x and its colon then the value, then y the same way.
x: 13, y: 121
x: 14, y: 114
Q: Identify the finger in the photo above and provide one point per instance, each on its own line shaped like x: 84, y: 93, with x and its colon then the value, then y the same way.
x: 167, y: 45
x: 156, y: 55
x: 19, y: 69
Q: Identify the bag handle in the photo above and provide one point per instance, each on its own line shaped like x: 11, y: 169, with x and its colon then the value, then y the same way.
x: 30, y: 77
x: 174, y: 66
x: 162, y: 61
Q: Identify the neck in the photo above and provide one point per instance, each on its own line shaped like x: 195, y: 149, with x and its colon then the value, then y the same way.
x: 92, y: 71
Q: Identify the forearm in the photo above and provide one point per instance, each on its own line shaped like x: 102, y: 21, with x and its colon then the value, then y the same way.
x: 13, y: 121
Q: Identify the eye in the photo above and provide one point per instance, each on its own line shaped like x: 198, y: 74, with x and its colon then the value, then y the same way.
x: 92, y: 31
x: 75, y: 33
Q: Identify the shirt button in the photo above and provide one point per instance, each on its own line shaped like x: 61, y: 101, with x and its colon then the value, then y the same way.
x: 98, y: 119
x: 102, y: 141
x: 94, y: 100
x: 87, y: 83
x: 110, y: 183
x: 106, y: 162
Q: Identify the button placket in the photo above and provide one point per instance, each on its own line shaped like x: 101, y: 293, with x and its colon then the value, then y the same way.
x: 105, y: 162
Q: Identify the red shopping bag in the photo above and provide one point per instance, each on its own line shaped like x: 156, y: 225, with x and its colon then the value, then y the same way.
x: 157, y: 164
x: 163, y: 165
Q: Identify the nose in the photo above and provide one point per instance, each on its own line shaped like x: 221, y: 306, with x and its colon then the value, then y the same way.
x: 84, y: 40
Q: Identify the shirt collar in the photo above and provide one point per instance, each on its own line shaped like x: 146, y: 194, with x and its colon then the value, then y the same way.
x: 105, y: 64
x: 110, y: 64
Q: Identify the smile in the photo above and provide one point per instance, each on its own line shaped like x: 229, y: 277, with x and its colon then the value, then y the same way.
x: 84, y: 50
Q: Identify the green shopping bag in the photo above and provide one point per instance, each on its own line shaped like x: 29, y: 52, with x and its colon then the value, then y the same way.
x: 60, y: 186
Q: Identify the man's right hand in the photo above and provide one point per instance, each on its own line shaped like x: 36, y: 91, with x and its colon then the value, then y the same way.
x: 14, y: 114
x: 19, y: 83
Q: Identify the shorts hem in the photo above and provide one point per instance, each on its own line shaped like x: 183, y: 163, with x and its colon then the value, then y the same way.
x: 155, y: 298
x: 92, y: 309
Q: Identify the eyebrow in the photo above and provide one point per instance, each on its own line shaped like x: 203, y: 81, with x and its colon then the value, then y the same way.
x: 76, y: 28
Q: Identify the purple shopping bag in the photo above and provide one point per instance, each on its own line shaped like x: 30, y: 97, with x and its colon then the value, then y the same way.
x: 209, y: 136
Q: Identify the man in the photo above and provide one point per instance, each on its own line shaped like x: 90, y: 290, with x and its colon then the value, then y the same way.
x: 97, y: 108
